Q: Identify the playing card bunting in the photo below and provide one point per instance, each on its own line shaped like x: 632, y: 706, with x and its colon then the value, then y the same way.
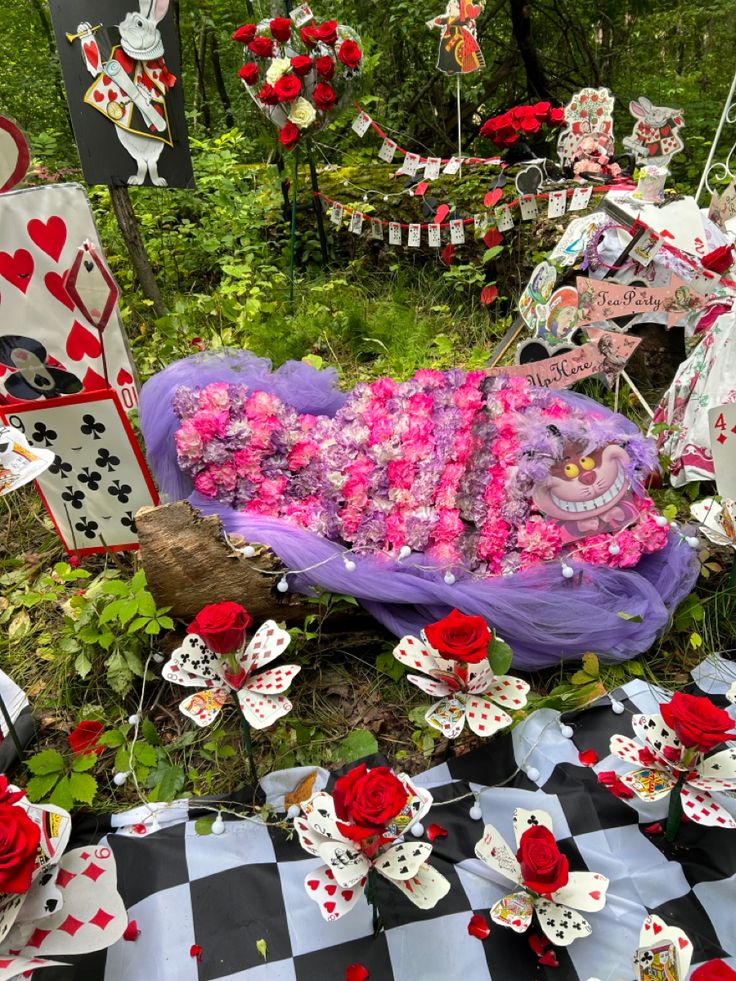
x: 215, y: 658
x: 454, y: 654
x: 671, y: 760
x: 355, y: 831
x: 43, y: 912
x: 548, y: 888
x: 298, y: 78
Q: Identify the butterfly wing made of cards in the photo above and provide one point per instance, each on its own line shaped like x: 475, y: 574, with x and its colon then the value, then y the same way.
x: 266, y: 644
x: 193, y: 665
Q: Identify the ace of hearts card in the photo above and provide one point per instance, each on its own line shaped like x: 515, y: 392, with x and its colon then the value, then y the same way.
x: 48, y: 345
x: 99, y: 478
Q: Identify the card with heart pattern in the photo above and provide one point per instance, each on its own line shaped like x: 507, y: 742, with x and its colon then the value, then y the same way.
x: 661, y: 945
x: 50, y: 344
x: 334, y: 900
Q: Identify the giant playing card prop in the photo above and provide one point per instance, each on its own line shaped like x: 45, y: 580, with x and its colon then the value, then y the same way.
x: 258, y: 693
x: 557, y: 911
x: 51, y: 343
x: 124, y: 90
x: 14, y: 155
x: 98, y: 479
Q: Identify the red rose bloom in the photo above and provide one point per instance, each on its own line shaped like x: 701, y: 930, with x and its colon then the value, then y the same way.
x: 349, y: 54
x: 327, y: 32
x: 460, y: 637
x: 367, y: 800
x: 262, y: 47
x: 713, y: 971
x: 325, y: 67
x: 544, y: 869
x: 324, y: 96
x: 268, y: 96
x: 222, y: 626
x: 719, y: 260
x: 541, y: 110
x: 289, y: 135
x: 245, y: 34
x: 83, y: 739
x: 287, y: 88
x: 280, y: 27
x: 249, y: 73
x: 19, y: 840
x: 556, y: 117
x: 8, y: 796
x: 697, y: 722
x: 310, y: 36
x: 301, y: 65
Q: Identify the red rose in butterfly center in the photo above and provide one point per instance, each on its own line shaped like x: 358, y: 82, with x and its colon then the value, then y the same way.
x: 222, y: 626
x: 367, y: 800
x: 460, y: 637
x: 697, y: 722
x: 544, y: 869
x: 19, y: 840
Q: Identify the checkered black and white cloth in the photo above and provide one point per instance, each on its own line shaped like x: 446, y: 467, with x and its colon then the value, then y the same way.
x: 226, y: 893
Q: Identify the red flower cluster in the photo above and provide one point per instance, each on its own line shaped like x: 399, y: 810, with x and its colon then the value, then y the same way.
x: 366, y: 801
x: 544, y: 869
x: 520, y: 122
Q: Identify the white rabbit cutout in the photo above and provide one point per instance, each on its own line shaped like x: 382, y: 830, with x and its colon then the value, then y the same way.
x: 655, y: 138
x: 131, y: 85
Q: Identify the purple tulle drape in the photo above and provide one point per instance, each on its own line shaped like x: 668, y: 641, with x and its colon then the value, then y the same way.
x: 544, y: 617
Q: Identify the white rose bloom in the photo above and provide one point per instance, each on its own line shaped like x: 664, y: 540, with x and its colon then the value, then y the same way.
x: 278, y: 68
x: 302, y: 113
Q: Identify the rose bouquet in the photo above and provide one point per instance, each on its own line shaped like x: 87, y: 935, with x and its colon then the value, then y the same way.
x: 298, y: 77
x: 671, y: 760
x: 356, y: 832
x: 521, y: 123
x: 453, y: 652
x: 547, y: 887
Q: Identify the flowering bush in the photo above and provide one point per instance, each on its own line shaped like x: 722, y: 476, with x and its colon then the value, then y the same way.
x: 298, y: 77
x: 443, y: 464
x: 520, y: 123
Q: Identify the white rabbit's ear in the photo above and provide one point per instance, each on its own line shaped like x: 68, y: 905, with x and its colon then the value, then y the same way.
x: 636, y: 108
x: 154, y: 9
x: 645, y: 104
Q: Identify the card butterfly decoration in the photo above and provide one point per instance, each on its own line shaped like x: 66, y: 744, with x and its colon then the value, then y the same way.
x: 14, y: 154
x: 62, y: 333
x: 72, y: 906
x: 664, y: 952
x: 259, y: 694
x: 98, y: 478
x: 717, y: 520
x: 559, y: 908
x: 124, y: 90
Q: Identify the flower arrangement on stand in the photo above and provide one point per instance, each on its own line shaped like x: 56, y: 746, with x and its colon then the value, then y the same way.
x: 671, y: 761
x: 522, y: 123
x: 298, y: 77
x: 357, y: 831
x: 454, y: 652
x: 214, y: 658
x: 547, y: 887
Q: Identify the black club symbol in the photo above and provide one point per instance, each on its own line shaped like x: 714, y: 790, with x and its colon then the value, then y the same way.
x: 560, y: 934
x: 42, y: 434
x: 533, y: 820
x: 90, y: 427
x: 59, y: 467
x: 91, y: 478
x: 128, y: 521
x: 73, y: 498
x: 87, y: 528
x: 121, y: 491
x: 107, y: 459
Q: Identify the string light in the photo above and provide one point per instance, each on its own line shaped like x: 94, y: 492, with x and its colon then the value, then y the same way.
x: 566, y: 731
x: 218, y: 825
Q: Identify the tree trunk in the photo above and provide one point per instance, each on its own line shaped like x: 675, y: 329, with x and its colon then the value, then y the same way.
x: 128, y: 224
x: 200, y: 94
x: 521, y: 26
x: 220, y: 81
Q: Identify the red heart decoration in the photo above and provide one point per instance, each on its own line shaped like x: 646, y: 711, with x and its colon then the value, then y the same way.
x: 421, y: 188
x: 493, y: 197
x: 448, y: 254
x: 112, y: 95
x: 81, y: 342
x: 17, y: 268
x: 356, y: 972
x: 92, y: 381
x: 331, y: 890
x: 347, y: 895
x: 124, y: 377
x: 55, y: 286
x: 665, y: 234
x: 492, y: 238
x: 91, y: 53
x: 98, y: 96
x: 313, y: 884
x: 549, y: 959
x: 595, y: 895
x: 442, y: 213
x: 329, y: 873
x: 49, y: 236
x: 488, y: 295
x: 683, y: 942
x: 330, y: 907
x: 656, y: 927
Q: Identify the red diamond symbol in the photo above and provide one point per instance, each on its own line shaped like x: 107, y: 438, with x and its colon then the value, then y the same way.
x: 64, y: 877
x: 85, y: 855
x: 70, y: 925
x: 733, y: 429
x: 38, y: 937
x: 722, y: 439
x: 93, y: 872
x: 101, y: 918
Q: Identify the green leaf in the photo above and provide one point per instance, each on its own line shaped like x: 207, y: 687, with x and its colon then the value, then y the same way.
x: 82, y: 665
x: 500, y: 656
x: 203, y: 826
x: 696, y: 640
x: 146, y: 605
x: 580, y: 678
x: 262, y: 948
x: 122, y: 760
x: 591, y: 665
x: 20, y: 625
x: 360, y: 742
x: 112, y: 739
x: 633, y: 617
x: 82, y: 787
x: 386, y: 663
x: 62, y: 795
x: 144, y: 754
x: 635, y: 667
x: 148, y: 731
x: 169, y: 781
x: 47, y: 761
x: 38, y: 787
x: 85, y: 762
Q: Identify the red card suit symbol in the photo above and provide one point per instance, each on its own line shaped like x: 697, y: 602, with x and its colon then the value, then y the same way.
x: 55, y: 285
x: 14, y: 155
x: 683, y: 942
x: 656, y: 927
x: 17, y: 268
x: 492, y: 238
x: 81, y: 342
x: 90, y: 285
x: 331, y: 890
x: 313, y: 884
x: 124, y: 377
x: 49, y: 236
x: 91, y: 53
x: 493, y: 197
x: 92, y: 381
x: 330, y: 907
x: 98, y: 96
